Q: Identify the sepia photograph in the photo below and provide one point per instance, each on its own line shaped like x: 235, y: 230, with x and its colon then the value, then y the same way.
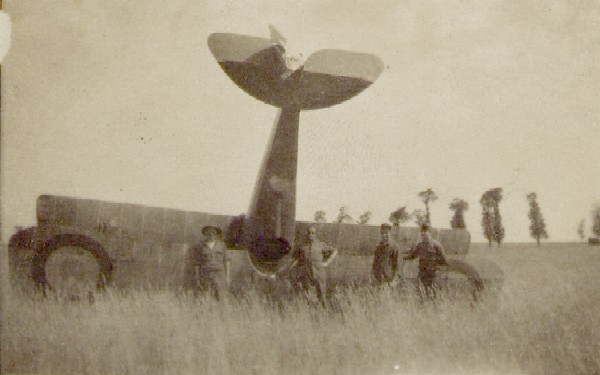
x: 312, y: 187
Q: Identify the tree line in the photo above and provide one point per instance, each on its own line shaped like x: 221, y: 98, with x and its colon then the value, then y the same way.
x: 491, y: 220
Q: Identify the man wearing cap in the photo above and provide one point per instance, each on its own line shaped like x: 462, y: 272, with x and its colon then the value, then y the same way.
x: 431, y: 257
x: 212, y: 263
x: 312, y: 259
x: 387, y: 264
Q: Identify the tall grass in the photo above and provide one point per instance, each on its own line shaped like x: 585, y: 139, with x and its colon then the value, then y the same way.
x: 544, y: 321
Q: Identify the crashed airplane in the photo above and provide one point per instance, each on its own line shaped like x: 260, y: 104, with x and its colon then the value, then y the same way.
x: 131, y: 246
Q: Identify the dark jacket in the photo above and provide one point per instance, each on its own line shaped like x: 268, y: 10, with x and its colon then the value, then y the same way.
x: 431, y: 256
x: 385, y: 261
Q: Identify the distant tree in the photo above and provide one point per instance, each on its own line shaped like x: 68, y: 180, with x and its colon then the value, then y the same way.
x: 487, y: 222
x: 399, y: 216
x: 343, y: 216
x: 487, y: 217
x: 459, y: 206
x: 491, y: 220
x: 596, y: 220
x: 420, y: 217
x: 427, y: 196
x: 365, y: 217
x: 498, y: 227
x: 320, y: 217
x: 581, y: 230
x: 537, y: 228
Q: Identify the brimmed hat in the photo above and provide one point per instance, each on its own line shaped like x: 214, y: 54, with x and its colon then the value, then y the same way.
x: 425, y: 227
x: 206, y: 228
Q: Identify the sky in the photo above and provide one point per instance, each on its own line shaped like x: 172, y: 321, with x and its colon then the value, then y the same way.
x: 122, y: 102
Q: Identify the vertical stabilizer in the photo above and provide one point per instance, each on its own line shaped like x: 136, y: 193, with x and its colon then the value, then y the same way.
x: 273, y: 209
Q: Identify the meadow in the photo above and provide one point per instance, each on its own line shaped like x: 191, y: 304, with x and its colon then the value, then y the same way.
x: 543, y: 321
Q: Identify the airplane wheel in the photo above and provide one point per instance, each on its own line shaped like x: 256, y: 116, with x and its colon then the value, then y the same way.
x: 71, y: 266
x: 459, y: 281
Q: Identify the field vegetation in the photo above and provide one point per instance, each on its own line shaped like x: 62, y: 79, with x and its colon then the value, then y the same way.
x: 544, y: 321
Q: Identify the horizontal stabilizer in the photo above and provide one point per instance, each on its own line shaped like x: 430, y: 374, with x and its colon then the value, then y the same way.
x: 234, y: 47
x: 332, y: 76
x: 345, y: 64
x: 258, y: 66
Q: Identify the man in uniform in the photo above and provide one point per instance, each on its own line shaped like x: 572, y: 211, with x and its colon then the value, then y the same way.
x: 312, y: 259
x: 387, y: 264
x: 212, y: 263
x: 431, y: 256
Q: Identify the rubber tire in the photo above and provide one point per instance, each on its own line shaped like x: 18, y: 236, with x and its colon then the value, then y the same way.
x: 39, y: 260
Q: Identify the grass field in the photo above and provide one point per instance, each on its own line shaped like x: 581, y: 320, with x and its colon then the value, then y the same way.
x: 544, y: 321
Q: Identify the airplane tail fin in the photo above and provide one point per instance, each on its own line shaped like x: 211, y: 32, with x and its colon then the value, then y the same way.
x: 272, y: 214
x: 259, y: 67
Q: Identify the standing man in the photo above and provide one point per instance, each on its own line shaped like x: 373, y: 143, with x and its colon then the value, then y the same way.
x: 387, y: 264
x: 212, y: 264
x: 313, y: 257
x: 431, y: 257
